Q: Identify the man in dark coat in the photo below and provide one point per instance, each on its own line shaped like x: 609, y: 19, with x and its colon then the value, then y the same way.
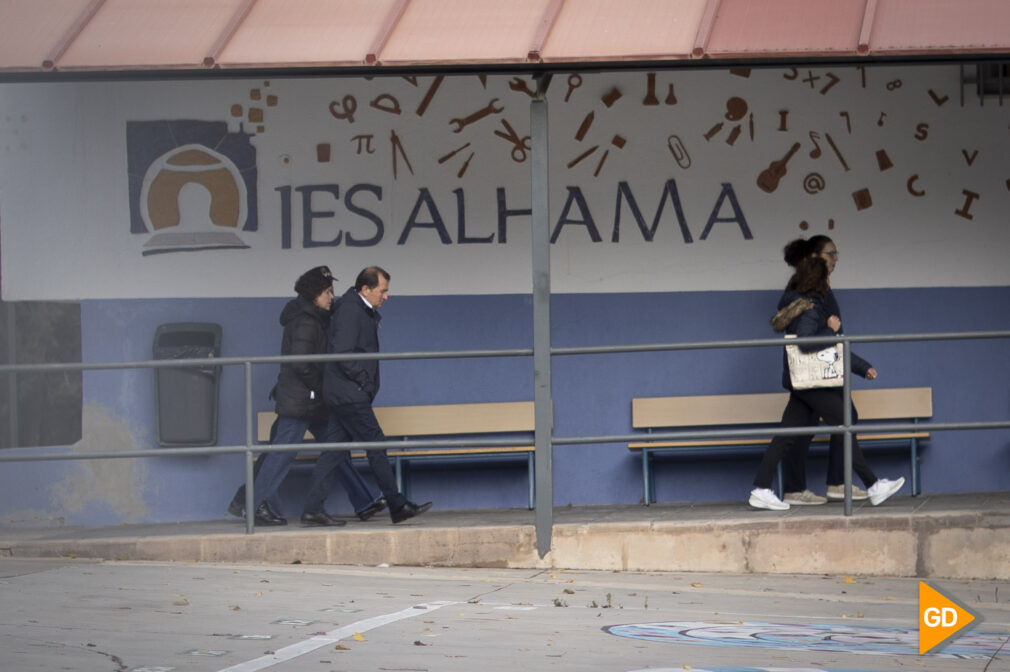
x: 300, y: 407
x: 351, y: 386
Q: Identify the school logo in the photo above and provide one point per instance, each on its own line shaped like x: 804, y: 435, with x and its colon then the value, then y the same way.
x: 192, y: 185
x: 941, y: 618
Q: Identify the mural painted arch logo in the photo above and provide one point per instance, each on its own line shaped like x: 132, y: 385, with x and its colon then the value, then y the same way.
x: 192, y: 185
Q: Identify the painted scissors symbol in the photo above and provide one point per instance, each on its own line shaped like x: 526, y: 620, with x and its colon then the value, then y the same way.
x: 521, y: 145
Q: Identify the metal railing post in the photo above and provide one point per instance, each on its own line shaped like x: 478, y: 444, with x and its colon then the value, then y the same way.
x: 250, y: 509
x: 847, y: 421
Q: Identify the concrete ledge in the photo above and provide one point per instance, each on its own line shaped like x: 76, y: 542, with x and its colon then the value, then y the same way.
x: 916, y: 538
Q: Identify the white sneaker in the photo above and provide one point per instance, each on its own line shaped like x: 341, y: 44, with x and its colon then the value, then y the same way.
x: 763, y: 498
x: 805, y: 498
x: 837, y: 492
x: 883, y: 489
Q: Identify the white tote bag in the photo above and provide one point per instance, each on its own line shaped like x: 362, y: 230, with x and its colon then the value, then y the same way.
x: 809, y: 370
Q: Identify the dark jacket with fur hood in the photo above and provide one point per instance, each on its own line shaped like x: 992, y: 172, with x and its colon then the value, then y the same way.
x: 808, y: 316
x: 299, y: 390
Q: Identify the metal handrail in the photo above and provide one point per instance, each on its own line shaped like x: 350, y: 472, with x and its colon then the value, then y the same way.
x: 250, y: 447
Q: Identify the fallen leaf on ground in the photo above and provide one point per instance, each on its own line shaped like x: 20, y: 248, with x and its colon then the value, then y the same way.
x: 848, y: 579
x: 696, y: 585
x: 358, y: 637
x: 340, y: 647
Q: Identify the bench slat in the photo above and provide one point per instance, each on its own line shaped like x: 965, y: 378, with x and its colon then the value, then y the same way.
x: 437, y: 419
x: 757, y: 409
x: 447, y: 419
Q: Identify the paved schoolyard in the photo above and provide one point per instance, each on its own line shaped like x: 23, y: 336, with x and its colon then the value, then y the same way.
x: 146, y: 617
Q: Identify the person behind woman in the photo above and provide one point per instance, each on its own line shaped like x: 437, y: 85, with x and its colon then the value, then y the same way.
x: 817, y: 316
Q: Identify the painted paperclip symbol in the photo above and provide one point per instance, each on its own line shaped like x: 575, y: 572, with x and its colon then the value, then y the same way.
x: 679, y: 152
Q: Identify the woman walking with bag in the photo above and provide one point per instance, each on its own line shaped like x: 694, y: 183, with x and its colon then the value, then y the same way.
x: 808, y: 308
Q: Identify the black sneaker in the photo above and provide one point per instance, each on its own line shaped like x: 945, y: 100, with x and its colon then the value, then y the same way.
x: 322, y: 518
x: 408, y: 510
x: 264, y: 516
x: 372, y: 509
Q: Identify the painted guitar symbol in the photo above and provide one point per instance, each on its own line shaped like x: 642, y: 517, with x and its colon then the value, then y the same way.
x: 769, y: 178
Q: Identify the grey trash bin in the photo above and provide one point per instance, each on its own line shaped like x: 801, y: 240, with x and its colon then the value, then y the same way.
x: 186, y: 399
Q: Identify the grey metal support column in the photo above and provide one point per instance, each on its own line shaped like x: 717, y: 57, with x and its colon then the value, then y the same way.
x: 12, y: 377
x: 543, y: 405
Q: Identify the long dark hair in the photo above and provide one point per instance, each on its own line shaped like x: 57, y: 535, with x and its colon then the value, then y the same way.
x: 801, y: 248
x: 811, y: 276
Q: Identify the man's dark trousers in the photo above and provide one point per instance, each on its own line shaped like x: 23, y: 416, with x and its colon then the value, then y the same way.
x: 359, y: 421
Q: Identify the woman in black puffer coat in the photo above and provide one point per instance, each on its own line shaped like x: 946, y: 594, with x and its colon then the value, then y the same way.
x: 809, y: 308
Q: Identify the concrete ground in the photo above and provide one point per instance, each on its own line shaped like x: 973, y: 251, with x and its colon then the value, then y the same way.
x: 101, y: 616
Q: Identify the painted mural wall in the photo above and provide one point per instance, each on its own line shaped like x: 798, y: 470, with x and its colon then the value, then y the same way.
x: 672, y: 195
x: 660, y: 181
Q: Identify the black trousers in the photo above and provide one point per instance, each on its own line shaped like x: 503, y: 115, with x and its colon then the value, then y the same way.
x: 804, y: 408
x: 359, y: 421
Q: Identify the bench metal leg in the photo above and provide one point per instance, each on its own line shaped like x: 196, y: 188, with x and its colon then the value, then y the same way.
x: 647, y: 485
x: 398, y: 469
x: 531, y: 472
x: 914, y: 450
x: 779, y: 487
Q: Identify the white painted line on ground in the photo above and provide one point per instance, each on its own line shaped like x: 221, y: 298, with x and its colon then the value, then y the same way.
x: 332, y: 637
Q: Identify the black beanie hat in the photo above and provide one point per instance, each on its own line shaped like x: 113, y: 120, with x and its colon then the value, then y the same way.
x: 314, y: 282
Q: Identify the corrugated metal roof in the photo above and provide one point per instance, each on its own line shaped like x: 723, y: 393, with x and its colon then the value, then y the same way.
x: 591, y: 30
x: 143, y: 35
x: 786, y: 27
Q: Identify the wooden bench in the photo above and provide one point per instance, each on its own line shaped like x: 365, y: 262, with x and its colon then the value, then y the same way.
x: 443, y: 420
x: 713, y: 411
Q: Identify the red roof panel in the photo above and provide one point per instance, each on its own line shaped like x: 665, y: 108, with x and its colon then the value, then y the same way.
x: 448, y: 31
x: 941, y: 25
x: 149, y: 34
x: 30, y: 30
x: 785, y: 27
x: 306, y: 32
x: 593, y: 30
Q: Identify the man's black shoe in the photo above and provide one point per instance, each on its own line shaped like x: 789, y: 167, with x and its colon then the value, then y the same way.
x: 322, y: 518
x: 372, y: 509
x: 264, y: 516
x: 409, y: 510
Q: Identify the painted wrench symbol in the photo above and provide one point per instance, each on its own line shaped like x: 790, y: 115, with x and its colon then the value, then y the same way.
x: 517, y: 84
x: 479, y: 114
